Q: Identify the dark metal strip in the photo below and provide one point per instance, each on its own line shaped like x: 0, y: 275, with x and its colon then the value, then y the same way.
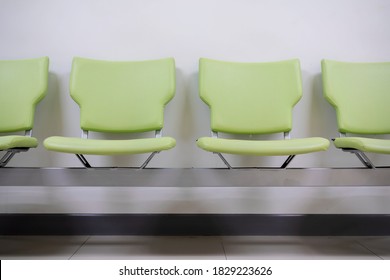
x: 196, y: 224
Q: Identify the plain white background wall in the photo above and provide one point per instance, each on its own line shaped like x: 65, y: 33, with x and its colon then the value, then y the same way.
x: 245, y: 30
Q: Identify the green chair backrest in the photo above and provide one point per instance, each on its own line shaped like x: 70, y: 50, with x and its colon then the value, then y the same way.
x: 250, y: 98
x: 360, y: 93
x: 23, y: 83
x: 122, y: 96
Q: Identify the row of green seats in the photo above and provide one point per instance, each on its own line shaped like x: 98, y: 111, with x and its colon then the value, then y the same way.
x: 244, y: 98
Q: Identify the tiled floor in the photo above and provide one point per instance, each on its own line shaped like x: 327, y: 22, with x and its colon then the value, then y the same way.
x: 212, y: 248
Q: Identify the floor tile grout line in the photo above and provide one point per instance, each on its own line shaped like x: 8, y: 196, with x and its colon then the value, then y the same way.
x: 223, y: 248
x: 361, y: 244
x: 78, y: 249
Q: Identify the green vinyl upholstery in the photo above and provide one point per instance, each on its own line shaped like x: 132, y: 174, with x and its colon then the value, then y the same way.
x: 253, y: 99
x: 364, y: 144
x: 76, y: 145
x: 23, y: 84
x: 360, y: 94
x: 283, y: 147
x: 119, y: 97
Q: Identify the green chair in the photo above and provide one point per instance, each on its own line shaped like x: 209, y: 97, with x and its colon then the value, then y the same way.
x: 253, y: 99
x: 23, y: 83
x: 360, y: 93
x: 119, y: 97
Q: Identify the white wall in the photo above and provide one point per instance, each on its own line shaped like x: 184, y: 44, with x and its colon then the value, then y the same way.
x: 236, y: 30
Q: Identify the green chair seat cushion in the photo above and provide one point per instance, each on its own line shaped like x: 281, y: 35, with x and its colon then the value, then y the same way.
x: 363, y: 144
x: 17, y: 141
x: 108, y: 147
x: 264, y: 147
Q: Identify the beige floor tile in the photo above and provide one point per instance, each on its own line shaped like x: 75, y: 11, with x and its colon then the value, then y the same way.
x: 241, y: 247
x: 135, y: 247
x: 290, y: 248
x: 39, y: 247
x: 378, y: 245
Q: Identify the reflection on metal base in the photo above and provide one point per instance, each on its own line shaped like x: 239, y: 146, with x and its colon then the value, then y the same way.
x: 10, y: 154
x: 148, y: 160
x: 224, y: 160
x: 195, y: 177
x: 83, y: 160
x: 362, y: 157
x: 87, y: 165
x: 287, y: 162
x: 6, y: 158
x: 284, y: 165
